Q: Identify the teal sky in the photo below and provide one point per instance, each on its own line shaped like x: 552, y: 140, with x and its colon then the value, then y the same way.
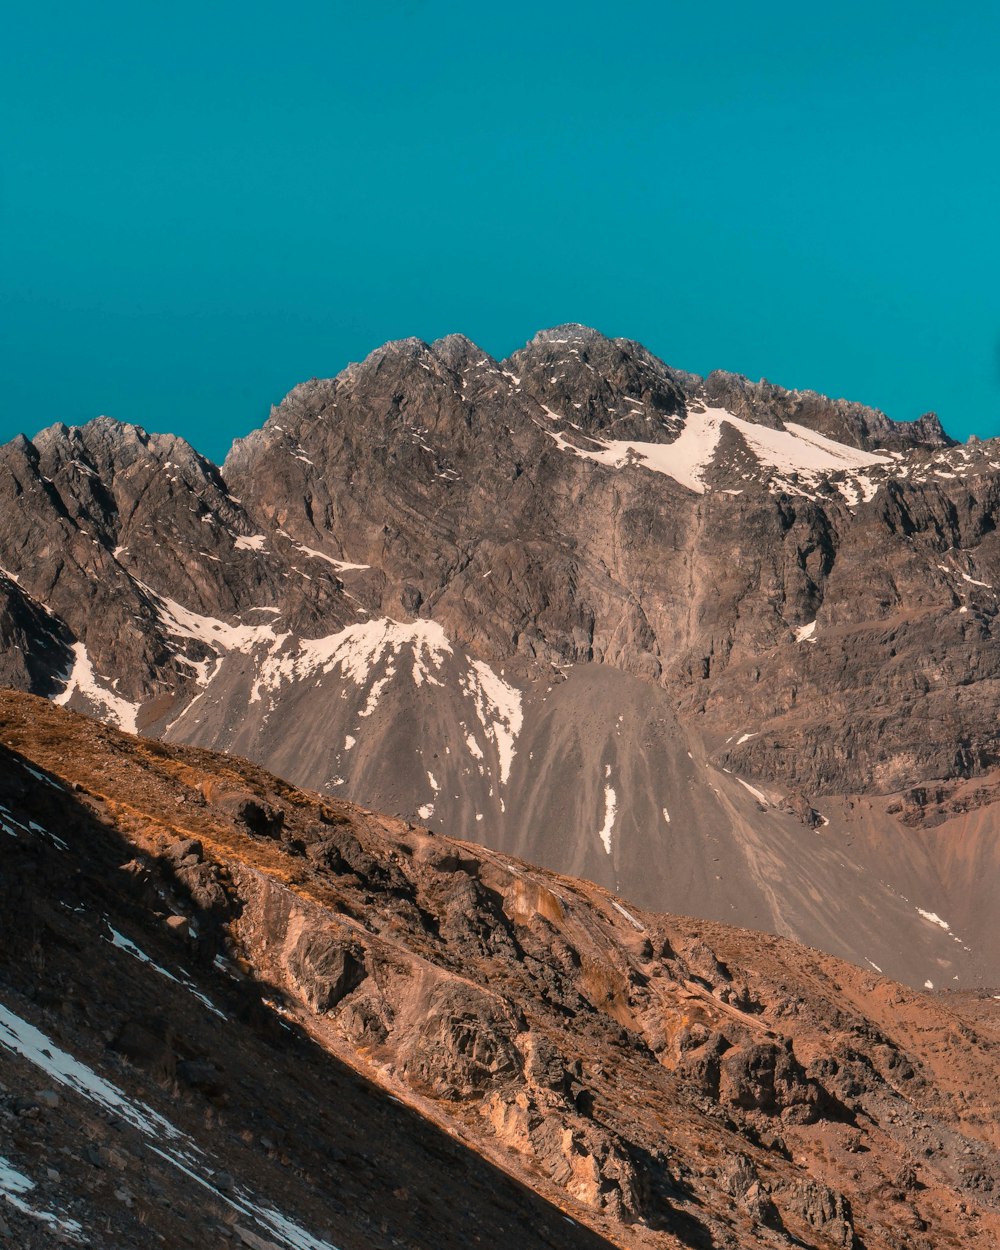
x: 201, y: 205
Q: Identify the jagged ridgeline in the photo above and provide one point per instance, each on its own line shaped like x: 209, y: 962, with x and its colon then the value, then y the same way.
x: 726, y: 648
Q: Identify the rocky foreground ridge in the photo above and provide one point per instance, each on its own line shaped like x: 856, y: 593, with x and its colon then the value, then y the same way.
x: 233, y: 1012
x: 724, y: 647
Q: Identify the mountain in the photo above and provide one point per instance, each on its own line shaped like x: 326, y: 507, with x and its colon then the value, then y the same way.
x: 233, y: 1012
x: 726, y: 648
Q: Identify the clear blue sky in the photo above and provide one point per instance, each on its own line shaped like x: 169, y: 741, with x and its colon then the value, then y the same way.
x: 202, y: 204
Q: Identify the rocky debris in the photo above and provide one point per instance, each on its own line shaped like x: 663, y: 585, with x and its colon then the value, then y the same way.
x: 35, y: 646
x: 741, y: 1181
x: 824, y: 1210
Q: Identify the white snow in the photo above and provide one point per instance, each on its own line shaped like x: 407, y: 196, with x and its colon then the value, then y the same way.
x: 9, y: 823
x: 349, y: 742
x: 934, y: 918
x: 666, y: 816
x: 24, y: 1039
x: 82, y: 680
x: 747, y: 737
x: 795, y: 450
x: 124, y: 944
x: 628, y: 915
x: 804, y: 633
x: 425, y: 811
x: 14, y: 1183
x: 342, y: 566
x: 498, y: 706
x: 610, y: 811
x: 753, y: 790
x: 928, y: 985
x: 40, y: 776
x: 11, y: 1180
x: 162, y: 1137
x: 184, y: 623
x: 356, y: 650
x: 873, y: 964
x: 256, y: 542
x: 433, y: 782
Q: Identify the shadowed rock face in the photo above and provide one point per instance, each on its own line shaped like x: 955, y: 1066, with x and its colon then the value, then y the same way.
x: 367, y: 1035
x: 725, y: 647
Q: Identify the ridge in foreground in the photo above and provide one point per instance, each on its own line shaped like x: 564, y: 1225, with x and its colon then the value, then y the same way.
x: 350, y: 1021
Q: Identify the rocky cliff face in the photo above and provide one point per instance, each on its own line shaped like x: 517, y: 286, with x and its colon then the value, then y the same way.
x: 722, y: 646
x: 234, y: 1012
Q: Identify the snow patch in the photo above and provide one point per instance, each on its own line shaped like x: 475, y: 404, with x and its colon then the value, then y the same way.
x: 610, y: 811
x: 342, y: 566
x: 14, y: 1183
x: 255, y: 542
x: 754, y: 791
x: 498, y: 706
x: 628, y: 915
x: 804, y: 633
x: 163, y: 1138
x: 123, y: 943
x: 794, y: 449
x: 356, y: 651
x: 82, y: 680
x: 10, y: 824
x: 219, y: 636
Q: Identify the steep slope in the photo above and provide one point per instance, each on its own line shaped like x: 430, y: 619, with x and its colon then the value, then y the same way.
x: 233, y: 1011
x: 721, y: 646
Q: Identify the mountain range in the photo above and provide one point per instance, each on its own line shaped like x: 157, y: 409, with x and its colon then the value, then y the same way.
x: 724, y: 649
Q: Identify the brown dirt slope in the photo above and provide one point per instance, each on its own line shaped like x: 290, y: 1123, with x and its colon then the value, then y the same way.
x: 324, y: 1027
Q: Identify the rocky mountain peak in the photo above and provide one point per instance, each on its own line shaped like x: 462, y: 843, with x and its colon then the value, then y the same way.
x: 571, y: 332
x: 612, y: 388
x: 845, y: 421
x: 109, y: 447
x: 458, y: 352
